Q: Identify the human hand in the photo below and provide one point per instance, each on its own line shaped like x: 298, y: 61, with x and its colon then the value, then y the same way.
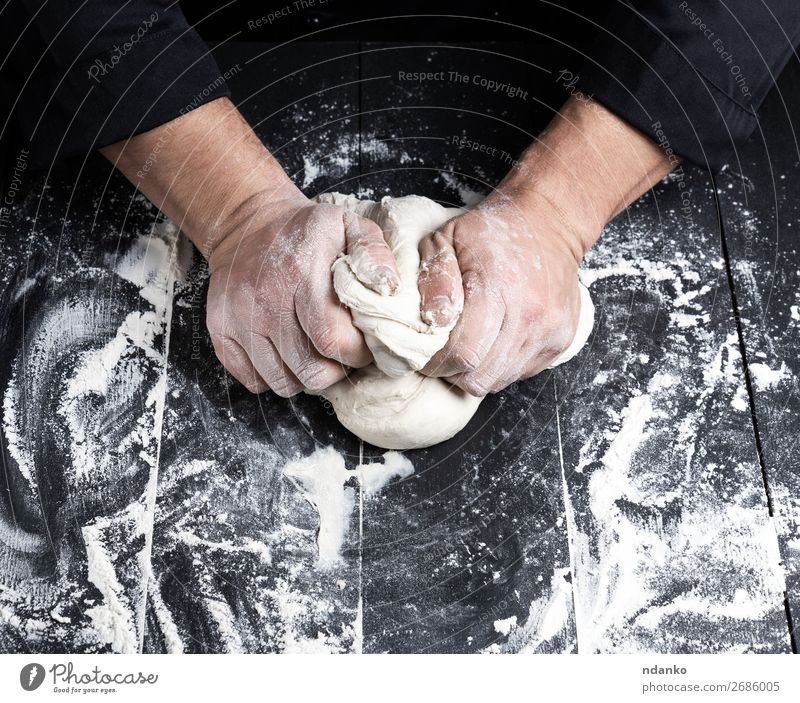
x: 513, y: 260
x: 274, y: 318
x: 515, y: 264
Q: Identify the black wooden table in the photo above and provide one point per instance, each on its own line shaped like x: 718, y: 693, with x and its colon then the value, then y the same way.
x: 644, y: 497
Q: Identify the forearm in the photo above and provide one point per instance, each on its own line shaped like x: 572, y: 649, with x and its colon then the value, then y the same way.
x: 206, y: 170
x: 588, y: 165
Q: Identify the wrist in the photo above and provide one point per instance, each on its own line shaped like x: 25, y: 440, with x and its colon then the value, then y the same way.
x: 206, y: 170
x: 550, y: 206
x: 585, y: 168
x: 264, y: 210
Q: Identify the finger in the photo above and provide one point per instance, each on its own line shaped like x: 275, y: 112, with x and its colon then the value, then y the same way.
x: 329, y: 325
x: 537, y: 351
x: 370, y: 257
x: 235, y: 360
x: 312, y: 369
x: 271, y: 367
x: 502, y: 366
x: 439, y: 282
x: 475, y: 332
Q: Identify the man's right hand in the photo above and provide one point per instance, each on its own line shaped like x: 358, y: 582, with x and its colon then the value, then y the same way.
x: 274, y: 318
x: 513, y: 259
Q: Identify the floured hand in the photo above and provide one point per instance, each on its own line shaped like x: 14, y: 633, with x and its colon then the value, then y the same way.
x: 514, y: 258
x: 274, y: 319
x: 516, y: 268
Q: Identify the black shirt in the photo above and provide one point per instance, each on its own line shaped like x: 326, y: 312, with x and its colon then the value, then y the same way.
x: 78, y: 75
x: 692, y: 74
x: 81, y: 75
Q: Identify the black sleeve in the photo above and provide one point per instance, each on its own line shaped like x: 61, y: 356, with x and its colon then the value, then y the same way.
x: 88, y: 74
x: 691, y: 74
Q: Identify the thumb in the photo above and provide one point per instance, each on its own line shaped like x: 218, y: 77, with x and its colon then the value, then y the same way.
x: 371, y: 259
x: 439, y: 281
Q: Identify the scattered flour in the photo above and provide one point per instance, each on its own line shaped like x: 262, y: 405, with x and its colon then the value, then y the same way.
x: 549, y: 617
x: 764, y: 377
x: 505, y: 626
x: 169, y: 630
x: 225, y: 621
x: 114, y: 618
x: 321, y: 478
x: 469, y: 196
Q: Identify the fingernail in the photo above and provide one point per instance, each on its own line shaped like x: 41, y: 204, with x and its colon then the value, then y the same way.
x: 439, y: 312
x: 386, y: 281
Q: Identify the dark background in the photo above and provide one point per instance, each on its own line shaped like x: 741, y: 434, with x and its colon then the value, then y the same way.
x: 555, y: 36
x: 570, y: 22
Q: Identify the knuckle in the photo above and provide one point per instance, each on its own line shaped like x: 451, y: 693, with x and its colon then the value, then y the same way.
x: 314, y: 375
x: 326, y: 341
x: 557, y: 343
x: 556, y: 333
x: 283, y: 386
x: 534, y: 311
x: 473, y: 281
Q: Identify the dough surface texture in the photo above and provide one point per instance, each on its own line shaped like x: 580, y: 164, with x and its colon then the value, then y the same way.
x: 394, y: 331
x: 389, y: 404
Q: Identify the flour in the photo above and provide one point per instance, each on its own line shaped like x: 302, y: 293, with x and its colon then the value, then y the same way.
x: 505, y: 626
x: 113, y: 619
x: 764, y: 377
x: 58, y: 617
x: 338, y: 160
x: 549, y: 618
x: 259, y: 549
x: 104, y: 402
x: 469, y: 196
x: 143, y: 264
x: 223, y: 618
x: 166, y: 623
x: 622, y: 565
x: 373, y: 477
x: 13, y: 431
x: 321, y: 478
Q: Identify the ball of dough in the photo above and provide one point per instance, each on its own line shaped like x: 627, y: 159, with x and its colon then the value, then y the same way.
x: 409, y: 412
x: 389, y: 404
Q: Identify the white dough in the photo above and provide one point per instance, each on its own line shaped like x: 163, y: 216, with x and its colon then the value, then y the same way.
x: 389, y: 404
x: 394, y: 331
x: 409, y: 412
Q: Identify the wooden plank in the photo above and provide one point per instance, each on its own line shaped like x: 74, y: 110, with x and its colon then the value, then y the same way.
x: 84, y: 300
x: 672, y: 546
x: 469, y: 554
x: 235, y: 556
x: 761, y: 217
